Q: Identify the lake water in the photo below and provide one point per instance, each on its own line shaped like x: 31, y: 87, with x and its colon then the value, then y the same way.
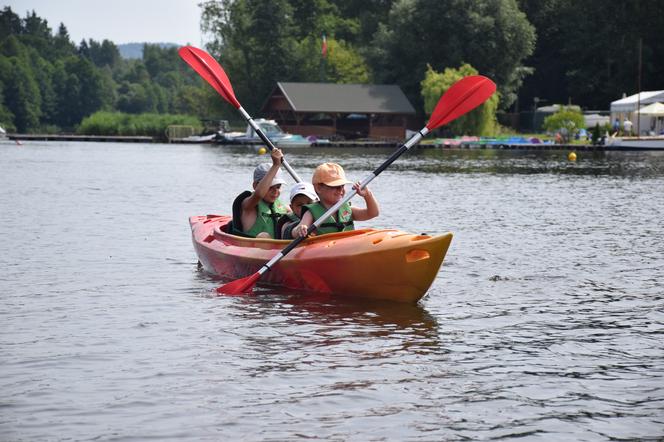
x: 546, y: 321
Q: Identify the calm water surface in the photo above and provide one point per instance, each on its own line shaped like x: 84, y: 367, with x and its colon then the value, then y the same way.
x: 546, y: 321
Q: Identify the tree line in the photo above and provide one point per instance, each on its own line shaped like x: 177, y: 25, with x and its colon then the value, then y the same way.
x: 560, y: 51
x: 583, y: 52
x: 49, y: 84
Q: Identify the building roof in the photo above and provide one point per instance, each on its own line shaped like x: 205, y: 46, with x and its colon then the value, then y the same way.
x: 630, y: 104
x: 346, y: 98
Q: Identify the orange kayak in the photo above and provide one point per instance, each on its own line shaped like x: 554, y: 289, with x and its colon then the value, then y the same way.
x: 369, y: 263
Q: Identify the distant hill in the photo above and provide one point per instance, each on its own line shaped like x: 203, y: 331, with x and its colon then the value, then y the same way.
x: 135, y: 50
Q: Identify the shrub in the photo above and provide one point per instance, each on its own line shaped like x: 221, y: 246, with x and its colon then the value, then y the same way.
x: 567, y: 122
x: 120, y: 123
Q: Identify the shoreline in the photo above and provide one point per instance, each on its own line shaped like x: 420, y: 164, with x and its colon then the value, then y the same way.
x: 341, y: 144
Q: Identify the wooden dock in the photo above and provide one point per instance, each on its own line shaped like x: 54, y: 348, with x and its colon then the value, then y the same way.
x: 72, y: 137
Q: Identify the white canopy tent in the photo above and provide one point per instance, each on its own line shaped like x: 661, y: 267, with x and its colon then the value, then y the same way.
x: 630, y: 104
x: 653, y: 116
x: 656, y: 109
x: 627, y: 109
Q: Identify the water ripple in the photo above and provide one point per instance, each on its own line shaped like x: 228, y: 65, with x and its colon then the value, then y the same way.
x: 545, y: 322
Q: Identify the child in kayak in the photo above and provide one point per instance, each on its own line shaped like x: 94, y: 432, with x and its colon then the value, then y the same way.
x: 301, y: 194
x: 329, y: 180
x: 258, y: 211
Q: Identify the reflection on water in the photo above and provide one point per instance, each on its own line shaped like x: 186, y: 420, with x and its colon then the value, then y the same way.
x: 546, y: 320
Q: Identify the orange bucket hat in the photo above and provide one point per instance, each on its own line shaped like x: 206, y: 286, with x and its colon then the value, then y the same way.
x: 330, y: 174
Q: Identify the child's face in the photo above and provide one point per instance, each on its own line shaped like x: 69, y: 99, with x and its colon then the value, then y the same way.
x: 329, y: 195
x: 297, y: 203
x: 272, y: 194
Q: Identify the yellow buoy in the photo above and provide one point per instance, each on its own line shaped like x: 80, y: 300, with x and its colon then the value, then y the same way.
x: 262, y: 151
x: 571, y: 156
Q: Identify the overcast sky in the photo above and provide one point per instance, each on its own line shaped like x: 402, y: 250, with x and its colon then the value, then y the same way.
x: 121, y: 21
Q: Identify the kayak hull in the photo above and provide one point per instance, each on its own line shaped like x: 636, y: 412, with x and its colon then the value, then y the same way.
x: 370, y: 263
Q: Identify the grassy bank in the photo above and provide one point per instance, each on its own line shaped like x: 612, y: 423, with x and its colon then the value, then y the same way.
x: 119, y: 123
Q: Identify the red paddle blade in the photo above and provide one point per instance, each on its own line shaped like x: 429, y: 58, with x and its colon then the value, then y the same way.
x: 243, y: 286
x: 208, y: 68
x: 464, y: 96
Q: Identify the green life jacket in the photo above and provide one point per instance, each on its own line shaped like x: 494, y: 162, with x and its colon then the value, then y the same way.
x: 343, y: 223
x: 266, y: 218
x: 289, y: 220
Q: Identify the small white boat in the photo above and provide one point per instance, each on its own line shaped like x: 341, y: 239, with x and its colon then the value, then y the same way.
x: 635, y: 143
x: 273, y: 132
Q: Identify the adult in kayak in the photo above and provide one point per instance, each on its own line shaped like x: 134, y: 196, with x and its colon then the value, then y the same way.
x: 330, y: 181
x: 255, y: 214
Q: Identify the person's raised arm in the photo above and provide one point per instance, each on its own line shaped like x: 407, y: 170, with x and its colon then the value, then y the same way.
x: 264, y: 184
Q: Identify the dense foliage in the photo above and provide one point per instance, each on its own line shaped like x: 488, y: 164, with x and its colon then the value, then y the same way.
x: 588, y: 50
x: 558, y: 51
x: 48, y: 83
x: 260, y: 44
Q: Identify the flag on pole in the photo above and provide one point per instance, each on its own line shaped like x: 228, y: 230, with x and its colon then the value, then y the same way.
x: 323, y: 50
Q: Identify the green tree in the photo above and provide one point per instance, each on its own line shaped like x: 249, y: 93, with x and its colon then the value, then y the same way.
x: 343, y: 63
x: 62, y: 45
x: 6, y: 115
x: 102, y: 54
x: 480, y: 121
x: 567, y: 121
x: 22, y: 95
x: 494, y: 36
x: 587, y: 51
x: 80, y: 89
x: 43, y: 74
x: 257, y: 44
x: 367, y: 14
x: 10, y: 23
x: 158, y: 60
x: 133, y: 98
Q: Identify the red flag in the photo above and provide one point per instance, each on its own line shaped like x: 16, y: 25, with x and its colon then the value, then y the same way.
x: 324, y: 47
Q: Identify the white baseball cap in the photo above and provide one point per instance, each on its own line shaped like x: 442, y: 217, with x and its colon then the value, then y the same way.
x: 306, y: 189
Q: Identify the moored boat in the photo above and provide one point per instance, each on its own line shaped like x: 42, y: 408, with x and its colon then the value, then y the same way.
x: 271, y: 130
x: 369, y: 263
x: 636, y: 143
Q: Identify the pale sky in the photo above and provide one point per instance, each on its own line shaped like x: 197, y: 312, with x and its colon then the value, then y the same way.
x: 121, y: 21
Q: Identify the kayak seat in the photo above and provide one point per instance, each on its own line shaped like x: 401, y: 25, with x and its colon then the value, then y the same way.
x: 280, y: 225
x: 235, y: 226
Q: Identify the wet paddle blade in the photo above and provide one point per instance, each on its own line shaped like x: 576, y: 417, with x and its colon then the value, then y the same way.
x: 464, y: 96
x: 243, y: 286
x: 208, y: 68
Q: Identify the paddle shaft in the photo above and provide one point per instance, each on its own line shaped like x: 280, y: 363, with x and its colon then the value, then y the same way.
x: 268, y: 142
x: 209, y: 75
x: 364, y: 183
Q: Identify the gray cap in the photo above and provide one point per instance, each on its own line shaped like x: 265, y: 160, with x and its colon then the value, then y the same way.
x: 262, y: 169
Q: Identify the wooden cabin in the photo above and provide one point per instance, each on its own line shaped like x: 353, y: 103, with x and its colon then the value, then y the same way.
x: 340, y: 111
